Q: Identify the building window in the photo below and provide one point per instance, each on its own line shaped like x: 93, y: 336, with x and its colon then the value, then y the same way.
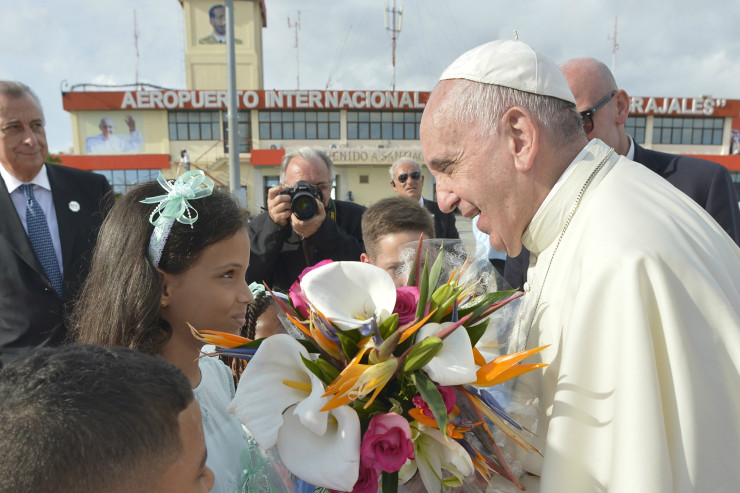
x: 288, y: 125
x: 245, y: 131
x: 267, y: 183
x: 194, y: 125
x: 123, y: 179
x: 364, y: 179
x: 687, y: 131
x: 635, y: 126
x: 383, y: 125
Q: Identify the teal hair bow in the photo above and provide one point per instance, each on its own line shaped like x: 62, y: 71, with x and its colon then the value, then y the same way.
x: 175, y: 204
x: 256, y: 288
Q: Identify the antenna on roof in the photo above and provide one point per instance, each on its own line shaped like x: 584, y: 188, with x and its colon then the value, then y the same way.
x: 395, y: 31
x: 296, y: 26
x: 136, y: 48
x: 615, y: 46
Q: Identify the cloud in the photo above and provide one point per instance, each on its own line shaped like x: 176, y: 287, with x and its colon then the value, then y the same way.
x: 677, y: 48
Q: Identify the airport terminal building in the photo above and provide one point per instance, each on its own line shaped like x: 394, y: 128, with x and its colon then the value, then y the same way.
x: 133, y: 134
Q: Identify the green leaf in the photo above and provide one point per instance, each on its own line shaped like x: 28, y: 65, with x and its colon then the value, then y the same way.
x: 349, y: 339
x: 476, y: 331
x: 309, y: 345
x: 416, y: 265
x: 480, y: 304
x: 390, y: 482
x: 422, y: 353
x: 388, y: 326
x: 436, y: 268
x: 423, y: 293
x: 329, y: 371
x: 441, y: 294
x: 440, y: 314
x: 433, y: 398
x: 315, y: 369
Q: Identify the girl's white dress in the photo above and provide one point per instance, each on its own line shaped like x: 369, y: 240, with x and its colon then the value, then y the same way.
x: 233, y: 455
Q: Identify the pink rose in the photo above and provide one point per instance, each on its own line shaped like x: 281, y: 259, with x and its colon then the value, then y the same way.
x: 296, y: 293
x: 448, y: 396
x: 387, y: 443
x: 367, y: 481
x: 407, y: 298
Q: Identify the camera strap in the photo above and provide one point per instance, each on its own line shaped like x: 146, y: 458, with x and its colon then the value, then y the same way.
x: 309, y: 254
x: 331, y: 210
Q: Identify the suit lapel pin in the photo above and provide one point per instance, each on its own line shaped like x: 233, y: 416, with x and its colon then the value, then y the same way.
x: 74, y: 206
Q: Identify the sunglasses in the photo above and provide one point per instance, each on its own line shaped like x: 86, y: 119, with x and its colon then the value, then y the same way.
x: 405, y: 176
x: 588, y: 115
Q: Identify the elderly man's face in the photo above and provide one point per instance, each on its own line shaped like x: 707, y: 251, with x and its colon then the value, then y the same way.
x: 218, y: 21
x: 23, y: 148
x: 473, y: 174
x: 313, y: 172
x: 404, y: 183
x: 107, y: 127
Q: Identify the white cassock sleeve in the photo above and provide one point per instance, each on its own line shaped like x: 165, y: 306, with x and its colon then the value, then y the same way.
x: 646, y: 380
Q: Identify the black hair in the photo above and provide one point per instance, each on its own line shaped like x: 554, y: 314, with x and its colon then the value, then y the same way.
x: 260, y: 304
x: 212, y: 10
x: 119, y: 304
x: 82, y: 418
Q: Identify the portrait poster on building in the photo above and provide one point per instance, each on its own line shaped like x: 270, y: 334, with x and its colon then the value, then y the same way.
x: 209, y: 19
x: 113, y: 132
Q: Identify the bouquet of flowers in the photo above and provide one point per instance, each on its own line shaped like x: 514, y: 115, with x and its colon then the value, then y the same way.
x: 384, y: 383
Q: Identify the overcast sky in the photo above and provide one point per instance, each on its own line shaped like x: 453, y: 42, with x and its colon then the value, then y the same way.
x: 680, y: 48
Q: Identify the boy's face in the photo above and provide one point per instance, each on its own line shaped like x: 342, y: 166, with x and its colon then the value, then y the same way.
x: 387, y: 251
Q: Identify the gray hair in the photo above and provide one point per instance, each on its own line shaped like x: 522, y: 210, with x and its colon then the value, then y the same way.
x: 13, y: 89
x: 486, y: 104
x: 392, y: 169
x: 309, y: 154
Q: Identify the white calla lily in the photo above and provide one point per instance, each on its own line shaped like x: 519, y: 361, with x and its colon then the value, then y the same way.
x: 330, y: 460
x: 350, y: 293
x: 433, y: 453
x: 454, y: 363
x: 322, y: 451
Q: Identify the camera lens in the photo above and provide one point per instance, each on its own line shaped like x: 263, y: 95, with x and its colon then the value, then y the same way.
x: 304, y: 206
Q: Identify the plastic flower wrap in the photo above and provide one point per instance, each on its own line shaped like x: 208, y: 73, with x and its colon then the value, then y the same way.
x: 384, y: 386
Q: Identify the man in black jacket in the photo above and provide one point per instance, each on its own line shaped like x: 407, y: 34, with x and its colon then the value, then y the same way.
x: 282, y: 244
x: 605, y: 109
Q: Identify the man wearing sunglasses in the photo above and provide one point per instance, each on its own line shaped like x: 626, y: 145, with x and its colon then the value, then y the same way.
x: 408, y: 181
x: 604, y: 109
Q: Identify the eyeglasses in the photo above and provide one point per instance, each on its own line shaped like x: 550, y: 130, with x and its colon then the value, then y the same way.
x: 588, y: 115
x: 405, y: 176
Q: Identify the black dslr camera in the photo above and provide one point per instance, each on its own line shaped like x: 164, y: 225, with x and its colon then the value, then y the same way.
x: 303, y: 200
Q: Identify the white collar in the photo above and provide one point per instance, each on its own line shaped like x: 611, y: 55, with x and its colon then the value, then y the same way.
x: 552, y: 214
x: 41, y: 179
x: 631, y: 153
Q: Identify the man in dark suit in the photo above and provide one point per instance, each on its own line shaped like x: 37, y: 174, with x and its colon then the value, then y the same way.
x: 48, y: 226
x: 407, y: 180
x: 605, y: 109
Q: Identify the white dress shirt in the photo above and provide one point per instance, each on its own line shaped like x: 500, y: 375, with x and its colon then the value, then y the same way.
x: 42, y: 193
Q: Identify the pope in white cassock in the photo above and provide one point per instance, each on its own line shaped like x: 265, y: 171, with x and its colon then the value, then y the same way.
x: 108, y: 141
x: 634, y: 286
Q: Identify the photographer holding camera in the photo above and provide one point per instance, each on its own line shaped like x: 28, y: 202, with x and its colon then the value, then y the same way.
x: 303, y: 224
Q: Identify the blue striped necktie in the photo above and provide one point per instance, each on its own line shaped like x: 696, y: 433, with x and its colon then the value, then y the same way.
x: 38, y: 233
